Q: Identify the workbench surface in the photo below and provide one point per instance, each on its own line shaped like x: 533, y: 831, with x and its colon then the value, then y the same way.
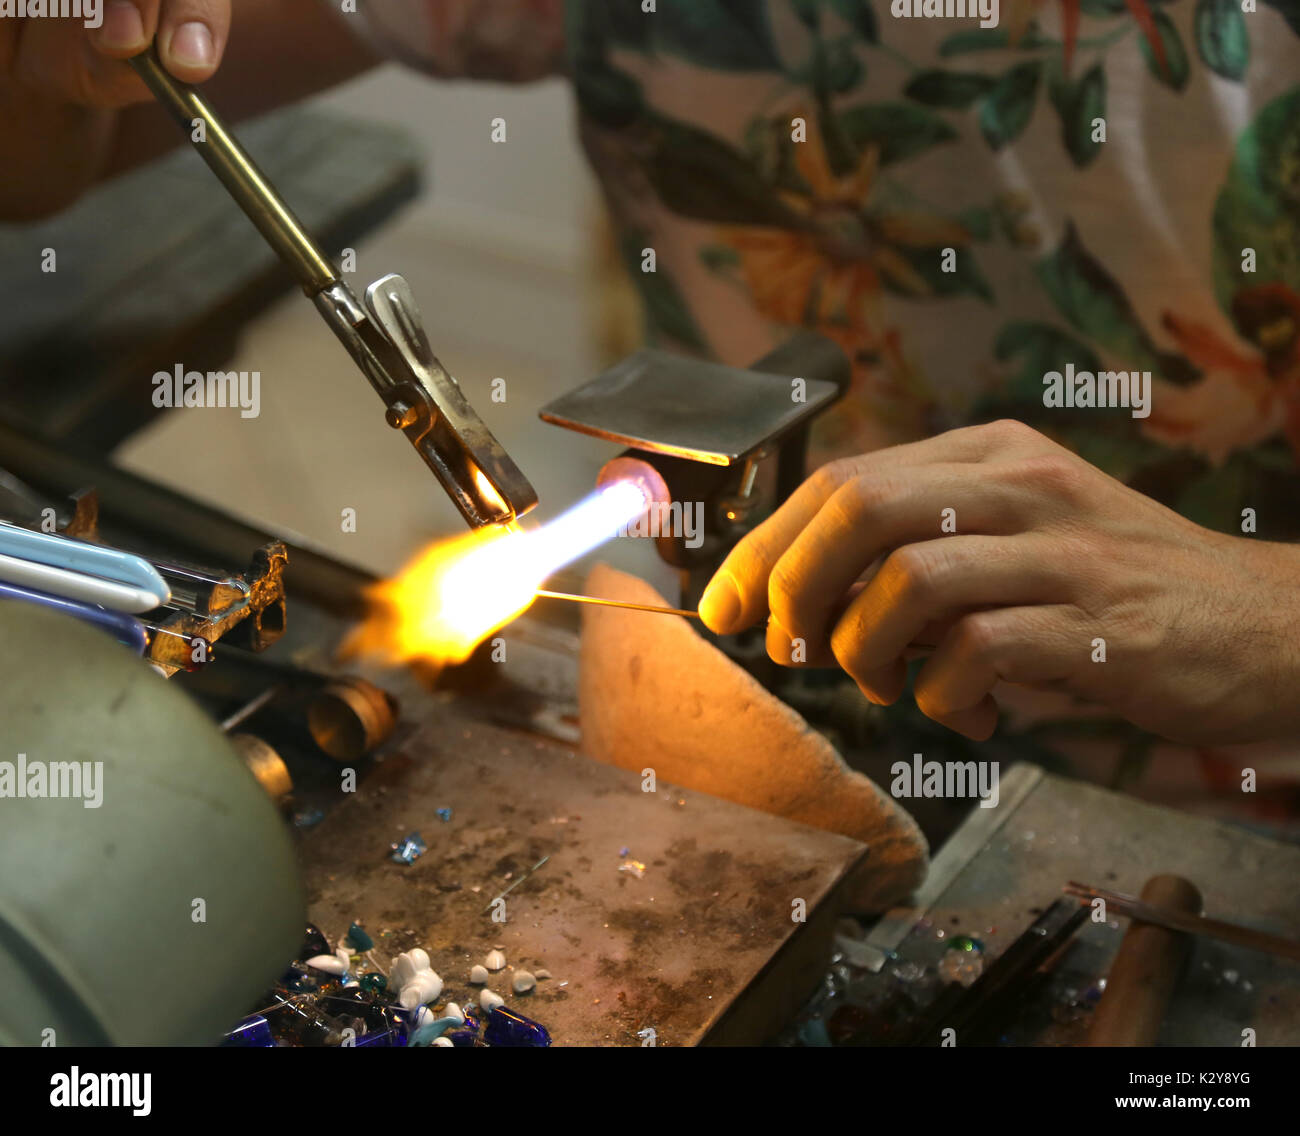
x: 702, y: 948
x: 1005, y: 865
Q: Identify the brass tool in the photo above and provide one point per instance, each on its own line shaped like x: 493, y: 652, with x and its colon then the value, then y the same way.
x: 1193, y: 923
x: 385, y: 338
x: 1146, y: 971
x: 617, y: 603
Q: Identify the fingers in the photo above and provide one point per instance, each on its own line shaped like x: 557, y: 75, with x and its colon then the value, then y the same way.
x: 192, y: 36
x: 737, y: 596
x: 867, y: 518
x: 127, y: 29
x: 923, y: 585
x: 1024, y: 645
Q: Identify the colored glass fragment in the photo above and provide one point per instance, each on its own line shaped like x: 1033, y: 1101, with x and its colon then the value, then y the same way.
x: 507, y: 1028
x: 409, y: 849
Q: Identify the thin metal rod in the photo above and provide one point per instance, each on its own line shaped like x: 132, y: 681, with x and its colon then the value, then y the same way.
x: 1134, y: 908
x: 240, y: 716
x: 618, y: 603
x: 518, y: 881
x: 239, y: 174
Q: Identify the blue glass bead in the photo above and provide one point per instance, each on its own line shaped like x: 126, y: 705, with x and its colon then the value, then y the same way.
x: 373, y: 983
x: 463, y: 1039
x: 252, y: 1033
x: 409, y: 849
x: 444, y: 815
x: 505, y: 1027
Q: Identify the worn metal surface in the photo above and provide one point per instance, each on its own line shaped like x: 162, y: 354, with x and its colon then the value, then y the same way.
x: 702, y: 948
x: 704, y: 412
x: 1007, y: 864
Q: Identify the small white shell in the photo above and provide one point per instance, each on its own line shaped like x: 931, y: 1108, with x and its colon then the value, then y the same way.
x: 478, y: 976
x: 540, y: 974
x: 444, y: 1042
x: 495, y: 960
x: 490, y: 1001
x: 330, y: 964
x: 524, y: 981
x: 452, y: 1010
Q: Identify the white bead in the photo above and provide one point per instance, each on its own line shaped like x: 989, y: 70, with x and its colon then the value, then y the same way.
x: 453, y: 1010
x: 328, y: 963
x: 495, y: 960
x: 478, y: 976
x: 523, y: 982
x: 445, y: 1042
x: 490, y: 1001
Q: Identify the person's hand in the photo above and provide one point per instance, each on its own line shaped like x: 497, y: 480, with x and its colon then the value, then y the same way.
x: 1044, y: 568
x: 69, y: 64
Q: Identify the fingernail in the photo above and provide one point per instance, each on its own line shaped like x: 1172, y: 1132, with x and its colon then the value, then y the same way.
x: 720, y: 604
x: 192, y: 45
x: 122, y: 28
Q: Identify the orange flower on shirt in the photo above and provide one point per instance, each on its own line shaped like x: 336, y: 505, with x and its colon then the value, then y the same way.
x: 1245, y: 396
x: 829, y: 272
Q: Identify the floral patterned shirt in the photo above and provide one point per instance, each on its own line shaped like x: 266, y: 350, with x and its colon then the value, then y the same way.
x: 1112, y: 184
x: 1102, y: 184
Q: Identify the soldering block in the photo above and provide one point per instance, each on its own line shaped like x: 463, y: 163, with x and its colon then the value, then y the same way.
x: 653, y: 694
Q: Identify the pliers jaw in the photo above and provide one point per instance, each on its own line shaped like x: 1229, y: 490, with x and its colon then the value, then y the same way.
x: 387, y: 340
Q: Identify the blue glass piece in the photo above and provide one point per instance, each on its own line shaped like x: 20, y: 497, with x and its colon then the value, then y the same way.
x: 358, y: 939
x: 464, y: 1039
x: 298, y: 979
x: 505, y: 1027
x: 373, y: 983
x: 308, y: 818
x: 444, y: 815
x: 252, y: 1033
x: 409, y: 849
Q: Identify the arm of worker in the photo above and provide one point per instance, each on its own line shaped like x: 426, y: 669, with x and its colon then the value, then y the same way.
x: 1015, y: 559
x: 72, y: 112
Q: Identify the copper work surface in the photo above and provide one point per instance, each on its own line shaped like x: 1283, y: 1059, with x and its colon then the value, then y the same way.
x: 702, y: 948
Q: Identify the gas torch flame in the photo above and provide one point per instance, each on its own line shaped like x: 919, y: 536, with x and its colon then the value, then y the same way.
x: 457, y: 592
